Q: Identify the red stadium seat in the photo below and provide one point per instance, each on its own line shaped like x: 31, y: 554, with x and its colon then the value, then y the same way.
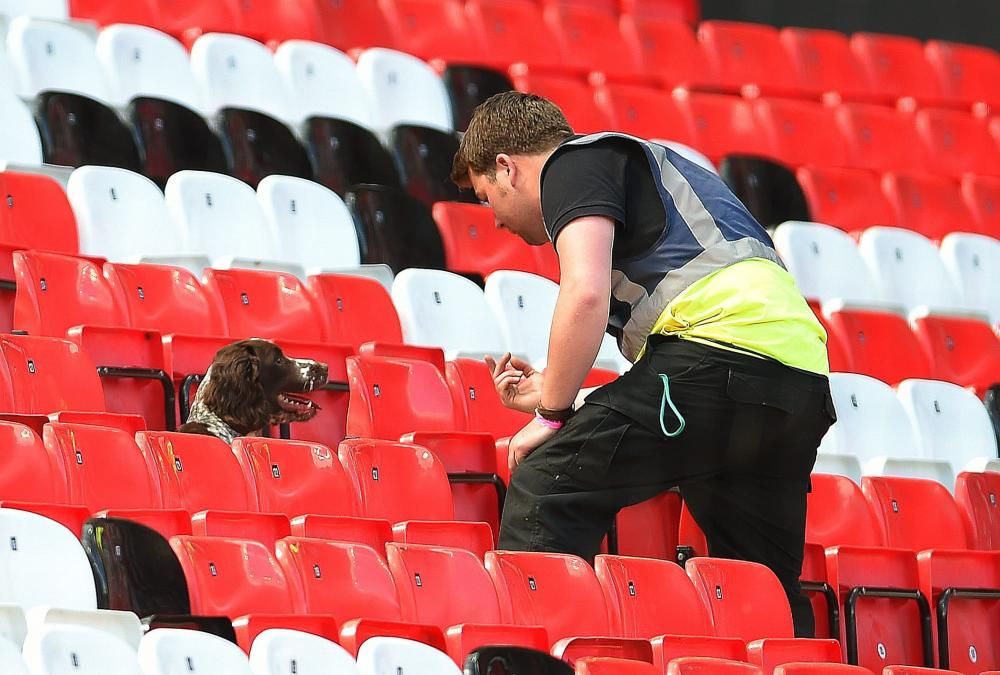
x: 142, y: 12
x: 741, y: 54
x: 476, y: 399
x: 398, y: 350
x: 31, y: 199
x: 850, y: 199
x: 266, y: 304
x: 965, y: 351
x: 274, y: 20
x: 838, y: 513
x: 666, y: 648
x: 917, y: 670
x: 198, y: 472
x: 265, y: 528
x: 295, y: 477
x: 644, y: 112
x: 432, y: 29
x: 515, y: 30
x: 329, y: 426
x: 801, y: 668
x: 666, y: 49
x: 824, y: 63
x: 895, y: 65
x: 722, y: 125
x: 880, y: 344
x: 977, y: 497
x: 39, y: 369
x: 474, y: 245
x: 69, y: 516
x: 982, y: 197
x: 394, y: 396
x: 879, y: 138
x: 800, y: 132
x: 965, y: 72
x: 590, y: 39
x: 374, y: 533
x: 928, y: 204
x: 353, y: 25
x: 769, y: 653
x: 682, y: 10
x: 649, y: 529
x: 355, y: 310
x: 248, y: 627
x: 956, y: 143
x: 33, y: 472
x: 476, y: 538
x: 573, y: 95
x: 744, y: 599
x: 233, y: 577
x: 104, y: 467
x: 166, y: 299
x: 915, y: 513
x: 600, y: 665
x: 168, y: 522
x: 710, y: 666
x: 398, y: 481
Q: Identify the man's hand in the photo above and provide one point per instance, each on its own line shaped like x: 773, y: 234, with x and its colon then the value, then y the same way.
x: 527, y: 441
x: 518, y: 384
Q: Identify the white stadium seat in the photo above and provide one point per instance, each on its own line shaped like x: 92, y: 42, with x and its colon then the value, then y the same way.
x: 11, y: 662
x: 523, y: 304
x: 313, y: 224
x: 19, y: 140
x: 49, y: 56
x: 402, y: 89
x: 223, y: 220
x: 441, y: 309
x: 75, y: 650
x: 123, y: 625
x: 907, y: 269
x: 175, y: 651
x: 39, y: 9
x: 322, y: 81
x: 13, y: 624
x: 278, y: 651
x: 840, y: 465
x: 233, y: 71
x: 973, y: 263
x: 950, y: 423
x: 690, y: 154
x: 392, y: 656
x: 142, y: 61
x: 826, y: 263
x: 42, y: 563
x: 912, y: 467
x: 121, y: 216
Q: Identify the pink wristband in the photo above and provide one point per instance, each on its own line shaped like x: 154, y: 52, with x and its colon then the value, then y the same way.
x: 555, y: 426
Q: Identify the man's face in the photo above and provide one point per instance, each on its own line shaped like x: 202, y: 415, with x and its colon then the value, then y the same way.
x: 514, y: 200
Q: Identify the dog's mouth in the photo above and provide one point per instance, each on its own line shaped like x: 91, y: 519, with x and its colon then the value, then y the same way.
x: 296, y: 405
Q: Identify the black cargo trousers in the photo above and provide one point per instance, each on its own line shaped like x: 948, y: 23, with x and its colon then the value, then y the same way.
x: 742, y: 462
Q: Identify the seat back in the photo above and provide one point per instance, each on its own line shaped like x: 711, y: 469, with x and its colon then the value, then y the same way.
x: 518, y: 26
x: 589, y: 38
x: 895, y: 65
x: 142, y: 61
x: 848, y: 199
x: 981, y: 195
x: 398, y: 481
x: 349, y: 581
x: 122, y: 217
x: 574, y: 97
x: 477, y: 402
x: 233, y: 71
x: 44, y: 565
x: 56, y: 292
x: 19, y: 141
x: 972, y: 261
x: 907, y: 269
x: 523, y: 305
x: 423, y: 577
x: 296, y: 477
x: 47, y: 56
x: 825, y: 262
x: 313, y: 224
x: 440, y: 309
x: 604, y: 665
x: 949, y: 134
x: 389, y: 655
x: 824, y: 63
x: 233, y: 577
x: 474, y: 245
x: 879, y: 138
x: 950, y: 422
x: 962, y: 70
x: 34, y: 472
x: 39, y: 370
x: 423, y: 157
x: 166, y: 299
x: 838, y: 514
x: 963, y: 350
x: 745, y: 599
x: 486, y: 661
x: 915, y: 513
x: 649, y: 597
x: 534, y: 589
x: 168, y: 651
x: 355, y: 309
x: 78, y: 649
x: 723, y: 125
x: 745, y: 53
x: 800, y: 132
x: 643, y: 111
x: 198, y: 472
x: 927, y: 203
x: 104, y: 467
x: 871, y: 421
x: 432, y: 30
x: 878, y: 344
x: 395, y: 396
x: 275, y: 649
x: 322, y: 81
x: 258, y: 303
x: 402, y: 89
x: 221, y: 216
x: 978, y: 498
x: 32, y: 199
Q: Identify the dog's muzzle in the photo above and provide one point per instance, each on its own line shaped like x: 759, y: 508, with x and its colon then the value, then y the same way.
x: 313, y: 373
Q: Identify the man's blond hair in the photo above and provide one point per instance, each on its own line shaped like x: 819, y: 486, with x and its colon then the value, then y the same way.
x: 508, y: 123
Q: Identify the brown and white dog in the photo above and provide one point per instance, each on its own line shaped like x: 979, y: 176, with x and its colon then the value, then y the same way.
x: 252, y: 384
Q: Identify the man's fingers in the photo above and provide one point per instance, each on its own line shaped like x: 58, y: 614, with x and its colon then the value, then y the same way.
x: 491, y: 363
x: 521, y: 364
x: 508, y: 379
x: 501, y: 365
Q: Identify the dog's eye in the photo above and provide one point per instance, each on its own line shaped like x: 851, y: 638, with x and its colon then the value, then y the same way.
x: 279, y: 360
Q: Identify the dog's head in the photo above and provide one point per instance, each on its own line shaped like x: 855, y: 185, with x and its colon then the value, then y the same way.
x: 251, y: 383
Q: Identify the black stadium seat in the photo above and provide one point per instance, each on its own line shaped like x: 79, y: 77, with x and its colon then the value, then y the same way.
x: 78, y: 130
x: 767, y: 188
x: 395, y: 228
x: 345, y: 154
x: 173, y: 138
x: 259, y: 145
x: 514, y: 661
x: 424, y: 157
x: 468, y: 86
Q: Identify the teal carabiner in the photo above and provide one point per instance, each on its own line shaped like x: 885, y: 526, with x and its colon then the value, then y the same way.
x: 663, y: 408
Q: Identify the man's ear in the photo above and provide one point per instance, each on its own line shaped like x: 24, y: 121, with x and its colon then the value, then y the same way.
x: 505, y: 166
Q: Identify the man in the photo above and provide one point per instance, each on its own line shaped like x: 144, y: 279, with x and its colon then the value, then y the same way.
x: 728, y: 397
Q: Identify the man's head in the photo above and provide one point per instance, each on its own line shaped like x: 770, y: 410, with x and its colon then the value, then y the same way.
x: 502, y: 154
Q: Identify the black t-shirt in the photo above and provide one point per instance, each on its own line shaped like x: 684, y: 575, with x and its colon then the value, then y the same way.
x: 610, y: 177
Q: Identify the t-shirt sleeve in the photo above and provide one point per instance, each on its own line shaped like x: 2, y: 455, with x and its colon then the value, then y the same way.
x: 586, y: 180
